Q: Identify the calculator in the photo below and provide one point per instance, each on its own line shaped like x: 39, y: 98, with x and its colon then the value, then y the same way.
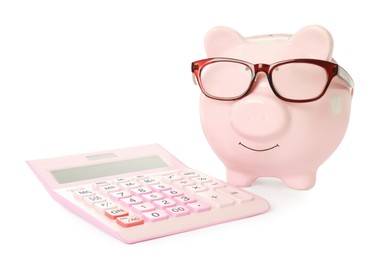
x: 141, y: 193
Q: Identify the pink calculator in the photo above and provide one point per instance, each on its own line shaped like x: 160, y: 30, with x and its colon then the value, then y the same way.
x: 141, y: 193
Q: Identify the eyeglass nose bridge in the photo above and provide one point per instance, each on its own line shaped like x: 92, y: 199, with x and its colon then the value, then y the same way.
x: 261, y: 67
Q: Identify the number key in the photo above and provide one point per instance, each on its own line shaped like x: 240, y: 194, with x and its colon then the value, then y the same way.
x: 130, y: 201
x: 178, y: 211
x: 155, y: 215
x: 164, y: 203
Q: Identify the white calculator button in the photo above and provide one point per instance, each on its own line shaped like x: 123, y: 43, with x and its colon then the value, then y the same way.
x: 214, y: 184
x: 116, y: 195
x: 107, y: 189
x: 184, y: 199
x: 115, y: 213
x: 172, y: 193
x: 131, y: 201
x: 178, y: 211
x: 79, y: 194
x: 236, y: 194
x: 129, y: 184
x: 198, y: 206
x: 139, y: 177
x: 101, y: 206
x: 141, y: 190
x: 149, y: 181
x: 129, y: 221
x: 202, y: 179
x: 119, y: 180
x: 155, y: 215
x: 152, y: 196
x: 189, y: 174
x: 160, y: 187
x: 171, y: 177
x: 196, y: 188
x: 143, y: 207
x: 182, y: 183
x: 164, y: 203
x: 216, y: 199
x: 100, y: 183
x: 94, y: 199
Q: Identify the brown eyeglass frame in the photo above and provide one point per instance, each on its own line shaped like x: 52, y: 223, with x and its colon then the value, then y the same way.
x: 332, y: 70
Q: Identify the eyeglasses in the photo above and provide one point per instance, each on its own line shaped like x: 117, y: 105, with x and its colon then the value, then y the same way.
x: 297, y: 80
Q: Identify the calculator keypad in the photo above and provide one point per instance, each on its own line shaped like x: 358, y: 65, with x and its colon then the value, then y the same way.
x: 132, y: 201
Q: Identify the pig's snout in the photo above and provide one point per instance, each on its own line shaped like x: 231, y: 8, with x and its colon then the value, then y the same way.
x: 259, y: 116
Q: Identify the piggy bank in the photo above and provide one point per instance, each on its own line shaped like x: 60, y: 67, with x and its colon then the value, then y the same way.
x: 274, y: 105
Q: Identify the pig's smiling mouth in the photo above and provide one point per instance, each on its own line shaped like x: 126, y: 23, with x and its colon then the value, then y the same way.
x: 259, y: 150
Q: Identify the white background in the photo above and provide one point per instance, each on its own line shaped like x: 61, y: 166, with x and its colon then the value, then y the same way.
x: 83, y: 76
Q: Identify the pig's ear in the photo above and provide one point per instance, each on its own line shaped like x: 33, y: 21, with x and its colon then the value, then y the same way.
x: 219, y: 40
x: 314, y: 39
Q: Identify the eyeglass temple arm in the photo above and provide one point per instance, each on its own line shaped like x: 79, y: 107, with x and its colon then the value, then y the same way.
x: 193, y: 68
x: 342, y: 74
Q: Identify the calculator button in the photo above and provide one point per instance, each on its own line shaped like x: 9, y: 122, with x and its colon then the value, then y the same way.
x: 236, y: 194
x: 139, y: 177
x: 100, y: 183
x: 184, y: 199
x: 189, y: 174
x: 216, y: 199
x: 196, y: 188
x: 178, y: 211
x: 130, y: 221
x: 149, y: 181
x: 131, y: 201
x: 164, y: 203
x: 160, y: 187
x: 114, y: 213
x: 116, y: 195
x: 202, y: 179
x: 79, y: 194
x: 171, y: 177
x: 118, y: 180
x: 152, y: 196
x: 214, y: 184
x: 172, y: 193
x: 101, y: 206
x: 198, y: 206
x: 155, y: 215
x: 107, y: 189
x: 183, y: 183
x: 129, y: 184
x: 141, y: 190
x: 144, y: 207
x: 94, y: 199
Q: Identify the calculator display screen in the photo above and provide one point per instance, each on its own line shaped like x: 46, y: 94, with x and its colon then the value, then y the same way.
x: 108, y: 169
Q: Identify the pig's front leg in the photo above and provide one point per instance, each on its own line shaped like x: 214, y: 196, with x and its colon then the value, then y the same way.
x: 301, y: 181
x: 240, y: 179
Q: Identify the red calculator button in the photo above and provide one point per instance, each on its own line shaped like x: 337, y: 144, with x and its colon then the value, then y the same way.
x: 115, y: 213
x: 130, y: 221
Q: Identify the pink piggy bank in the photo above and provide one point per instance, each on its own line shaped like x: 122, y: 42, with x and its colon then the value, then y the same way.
x: 273, y: 105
